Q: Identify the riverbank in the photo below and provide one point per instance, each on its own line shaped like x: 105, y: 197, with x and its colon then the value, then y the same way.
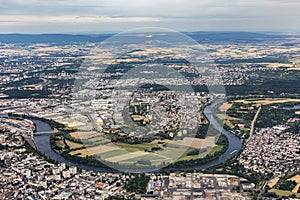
x: 43, y: 145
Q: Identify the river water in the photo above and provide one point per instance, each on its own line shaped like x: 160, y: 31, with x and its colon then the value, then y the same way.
x: 297, y: 107
x: 43, y: 145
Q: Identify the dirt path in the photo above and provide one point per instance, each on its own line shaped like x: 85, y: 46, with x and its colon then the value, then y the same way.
x: 253, y: 123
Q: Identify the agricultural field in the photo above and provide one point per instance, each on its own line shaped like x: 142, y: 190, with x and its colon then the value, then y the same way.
x: 285, y: 187
x: 194, y: 143
x: 273, y: 182
x: 157, y: 151
x: 60, y: 143
x: 239, y: 115
x: 237, y: 118
x: 83, y: 135
x: 64, y: 143
x: 94, y: 150
x: 267, y: 101
x: 297, y: 179
x: 73, y: 145
x: 283, y: 193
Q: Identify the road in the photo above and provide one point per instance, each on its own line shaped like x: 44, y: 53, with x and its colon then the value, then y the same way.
x: 253, y: 123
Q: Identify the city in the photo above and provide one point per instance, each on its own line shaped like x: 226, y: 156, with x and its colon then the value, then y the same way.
x: 149, y: 100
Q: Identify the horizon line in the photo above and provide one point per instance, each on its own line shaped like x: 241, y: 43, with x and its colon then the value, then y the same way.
x: 117, y: 32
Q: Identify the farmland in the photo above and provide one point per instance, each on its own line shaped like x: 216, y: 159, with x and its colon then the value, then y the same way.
x: 285, y: 187
x: 155, y: 152
x: 240, y: 113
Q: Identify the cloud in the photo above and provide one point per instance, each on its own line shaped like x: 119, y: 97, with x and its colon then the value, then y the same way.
x: 186, y: 15
x: 73, y: 19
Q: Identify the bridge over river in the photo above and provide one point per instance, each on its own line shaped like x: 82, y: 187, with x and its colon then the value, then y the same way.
x: 43, y: 133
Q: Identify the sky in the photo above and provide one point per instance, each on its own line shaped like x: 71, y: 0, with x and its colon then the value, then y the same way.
x: 100, y: 16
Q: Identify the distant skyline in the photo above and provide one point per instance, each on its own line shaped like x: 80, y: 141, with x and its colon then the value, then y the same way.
x: 101, y: 16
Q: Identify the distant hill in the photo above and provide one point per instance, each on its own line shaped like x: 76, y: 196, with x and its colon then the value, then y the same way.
x: 50, y: 38
x: 201, y: 37
x: 207, y: 37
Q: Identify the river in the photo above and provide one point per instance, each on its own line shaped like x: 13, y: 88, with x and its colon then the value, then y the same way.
x: 297, y: 107
x: 43, y: 145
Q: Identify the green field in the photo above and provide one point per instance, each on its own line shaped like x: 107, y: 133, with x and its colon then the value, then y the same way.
x: 156, y: 152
